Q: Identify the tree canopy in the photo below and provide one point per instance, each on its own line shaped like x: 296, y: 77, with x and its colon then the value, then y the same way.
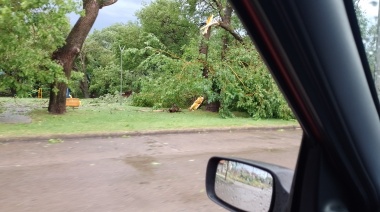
x: 164, y: 64
x: 30, y: 32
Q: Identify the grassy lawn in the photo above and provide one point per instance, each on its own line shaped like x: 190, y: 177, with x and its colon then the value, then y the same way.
x: 99, y: 117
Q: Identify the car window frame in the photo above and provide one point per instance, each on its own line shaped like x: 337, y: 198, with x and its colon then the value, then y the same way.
x: 329, y: 155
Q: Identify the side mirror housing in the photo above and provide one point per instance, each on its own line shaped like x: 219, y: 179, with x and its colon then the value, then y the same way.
x: 246, y: 185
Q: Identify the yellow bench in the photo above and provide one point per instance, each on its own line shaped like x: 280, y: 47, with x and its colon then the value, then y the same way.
x: 72, y: 102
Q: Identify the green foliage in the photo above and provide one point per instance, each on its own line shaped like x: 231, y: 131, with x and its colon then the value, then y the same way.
x: 173, y: 81
x: 106, y: 80
x: 243, y: 83
x: 161, y: 62
x: 30, y: 32
x: 72, y: 83
x: 167, y: 20
x: 100, y: 58
x: 240, y: 82
x: 168, y: 79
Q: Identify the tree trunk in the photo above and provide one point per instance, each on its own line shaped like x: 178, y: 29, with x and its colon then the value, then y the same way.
x: 226, y: 19
x: 203, y: 49
x: 67, y: 54
x: 225, y: 14
x: 84, y: 87
x: 83, y: 84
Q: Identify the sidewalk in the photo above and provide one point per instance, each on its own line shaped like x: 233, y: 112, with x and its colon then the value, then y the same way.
x: 148, y: 132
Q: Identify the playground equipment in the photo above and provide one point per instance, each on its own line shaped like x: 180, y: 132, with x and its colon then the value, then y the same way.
x: 39, y: 95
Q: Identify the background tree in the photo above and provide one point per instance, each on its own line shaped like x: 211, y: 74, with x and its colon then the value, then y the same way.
x: 102, y: 58
x: 96, y: 54
x: 169, y: 22
x: 66, y: 55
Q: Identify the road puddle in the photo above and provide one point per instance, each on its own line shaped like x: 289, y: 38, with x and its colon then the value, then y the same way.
x: 143, y: 163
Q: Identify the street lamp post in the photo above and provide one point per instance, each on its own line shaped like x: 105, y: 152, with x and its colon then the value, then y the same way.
x: 121, y: 72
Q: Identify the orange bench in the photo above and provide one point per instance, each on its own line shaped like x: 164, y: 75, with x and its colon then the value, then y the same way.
x: 72, y: 102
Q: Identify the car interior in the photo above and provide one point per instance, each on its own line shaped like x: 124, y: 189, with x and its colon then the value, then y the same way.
x: 315, y: 53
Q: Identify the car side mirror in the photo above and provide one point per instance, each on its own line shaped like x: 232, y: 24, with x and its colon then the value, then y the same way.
x: 246, y: 185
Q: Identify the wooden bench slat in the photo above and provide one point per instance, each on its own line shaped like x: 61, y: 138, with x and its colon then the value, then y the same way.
x: 72, y: 102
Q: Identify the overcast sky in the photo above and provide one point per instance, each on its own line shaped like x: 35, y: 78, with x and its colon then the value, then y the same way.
x: 370, y: 7
x: 120, y: 12
x: 124, y: 10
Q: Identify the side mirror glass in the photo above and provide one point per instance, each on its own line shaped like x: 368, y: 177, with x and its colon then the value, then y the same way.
x: 244, y: 186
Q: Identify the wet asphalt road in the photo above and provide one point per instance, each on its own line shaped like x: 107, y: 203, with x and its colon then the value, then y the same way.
x: 140, y: 173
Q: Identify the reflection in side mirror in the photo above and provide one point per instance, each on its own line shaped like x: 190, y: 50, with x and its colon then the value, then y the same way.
x: 243, y: 186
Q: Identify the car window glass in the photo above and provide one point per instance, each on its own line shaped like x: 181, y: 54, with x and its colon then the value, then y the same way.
x: 367, y: 14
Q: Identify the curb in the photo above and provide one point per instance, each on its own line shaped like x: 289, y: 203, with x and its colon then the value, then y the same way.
x: 148, y: 132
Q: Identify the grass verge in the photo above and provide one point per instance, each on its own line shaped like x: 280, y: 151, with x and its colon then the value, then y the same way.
x: 97, y: 117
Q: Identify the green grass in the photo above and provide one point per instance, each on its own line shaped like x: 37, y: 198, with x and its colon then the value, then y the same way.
x: 98, y: 117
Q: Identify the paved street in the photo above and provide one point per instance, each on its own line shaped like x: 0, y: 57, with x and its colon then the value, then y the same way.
x: 138, y: 173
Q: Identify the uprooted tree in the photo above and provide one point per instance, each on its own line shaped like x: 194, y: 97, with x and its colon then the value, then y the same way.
x: 66, y: 55
x: 221, y: 67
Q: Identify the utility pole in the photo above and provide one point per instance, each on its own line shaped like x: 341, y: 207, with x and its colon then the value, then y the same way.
x: 121, y: 73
